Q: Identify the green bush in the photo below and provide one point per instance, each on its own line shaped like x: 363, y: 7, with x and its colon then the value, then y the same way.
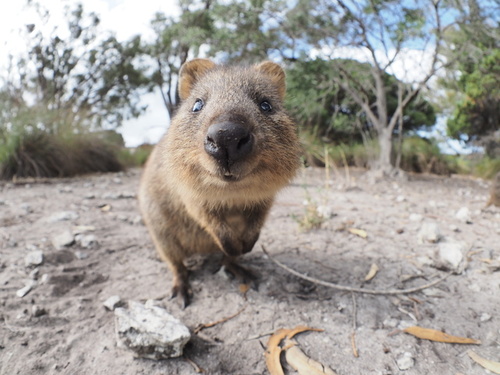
x: 39, y: 154
x: 136, y: 157
x: 423, y: 156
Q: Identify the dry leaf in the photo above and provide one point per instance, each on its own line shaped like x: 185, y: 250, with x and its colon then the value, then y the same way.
x: 106, y: 208
x: 274, y: 349
x: 244, y: 288
x: 358, y: 232
x: 486, y: 363
x: 433, y: 335
x: 373, y: 271
x: 302, y: 363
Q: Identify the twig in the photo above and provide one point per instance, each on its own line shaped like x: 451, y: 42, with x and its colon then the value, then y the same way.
x: 354, y: 318
x: 196, y: 368
x: 208, y: 325
x: 352, y: 289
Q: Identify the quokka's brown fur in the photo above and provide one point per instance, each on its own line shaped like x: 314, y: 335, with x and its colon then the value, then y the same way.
x: 211, y: 180
x: 495, y: 192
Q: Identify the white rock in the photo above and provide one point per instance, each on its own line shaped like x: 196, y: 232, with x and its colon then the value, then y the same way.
x: 451, y: 253
x: 113, y: 302
x: 325, y: 212
x: 463, y: 214
x: 150, y: 331
x: 416, y: 217
x: 61, y: 240
x: 485, y: 317
x: 429, y: 232
x: 405, y: 362
x: 33, y: 258
x: 400, y: 198
x: 24, y: 291
x: 63, y: 216
x: 87, y: 241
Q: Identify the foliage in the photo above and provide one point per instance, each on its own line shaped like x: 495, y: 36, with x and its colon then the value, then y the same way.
x: 73, y: 80
x: 324, y: 107
x: 36, y: 153
x: 136, y: 157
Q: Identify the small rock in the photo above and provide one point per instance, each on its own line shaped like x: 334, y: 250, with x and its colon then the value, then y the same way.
x: 325, y: 212
x: 137, y: 220
x: 150, y: 331
x: 429, y: 232
x: 390, y: 323
x: 113, y: 302
x: 81, y: 255
x: 80, y: 229
x: 451, y: 253
x: 454, y: 228
x: 86, y: 241
x: 405, y: 362
x: 37, y: 311
x: 485, y: 317
x: 63, y: 239
x: 34, y: 273
x: 89, y: 196
x: 24, y: 291
x: 463, y: 214
x: 34, y: 258
x: 400, y: 199
x: 63, y: 216
x: 416, y: 217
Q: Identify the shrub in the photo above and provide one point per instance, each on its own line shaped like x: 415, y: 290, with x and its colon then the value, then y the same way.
x: 40, y: 154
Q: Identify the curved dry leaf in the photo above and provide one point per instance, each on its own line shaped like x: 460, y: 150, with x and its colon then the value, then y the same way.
x: 358, y: 232
x: 274, y: 349
x: 305, y: 365
x: 486, y: 363
x: 433, y: 335
x: 373, y: 271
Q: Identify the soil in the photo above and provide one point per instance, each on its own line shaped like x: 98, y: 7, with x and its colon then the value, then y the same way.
x: 62, y: 327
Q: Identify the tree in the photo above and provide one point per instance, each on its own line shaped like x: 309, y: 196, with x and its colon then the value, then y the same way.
x: 177, y: 39
x: 74, y: 79
x: 322, y: 106
x: 475, y: 78
x: 384, y: 33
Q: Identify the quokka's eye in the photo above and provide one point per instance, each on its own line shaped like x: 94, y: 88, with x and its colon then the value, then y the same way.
x: 265, y: 106
x: 198, y: 105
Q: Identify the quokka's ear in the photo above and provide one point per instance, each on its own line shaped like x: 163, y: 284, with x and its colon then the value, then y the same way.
x: 191, y: 72
x: 275, y: 73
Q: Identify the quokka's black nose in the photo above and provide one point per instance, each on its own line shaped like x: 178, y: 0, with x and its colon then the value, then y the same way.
x: 228, y: 142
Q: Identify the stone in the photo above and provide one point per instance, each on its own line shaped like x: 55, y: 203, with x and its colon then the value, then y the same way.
x: 451, y: 254
x: 405, y: 362
x: 113, y: 302
x: 62, y: 240
x: 63, y: 216
x: 81, y: 255
x: 429, y: 232
x: 37, y: 311
x: 26, y: 289
x: 150, y: 331
x: 463, y: 214
x: 415, y: 217
x: 86, y: 241
x: 33, y: 258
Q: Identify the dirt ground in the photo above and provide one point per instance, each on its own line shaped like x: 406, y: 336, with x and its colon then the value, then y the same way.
x: 61, y: 326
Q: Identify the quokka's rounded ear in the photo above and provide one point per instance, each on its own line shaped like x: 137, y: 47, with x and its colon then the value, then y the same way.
x: 191, y: 72
x: 275, y: 73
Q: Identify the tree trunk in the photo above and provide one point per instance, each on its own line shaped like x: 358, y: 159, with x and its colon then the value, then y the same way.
x: 384, y: 163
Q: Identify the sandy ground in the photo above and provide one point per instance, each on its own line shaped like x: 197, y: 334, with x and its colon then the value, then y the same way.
x: 62, y: 327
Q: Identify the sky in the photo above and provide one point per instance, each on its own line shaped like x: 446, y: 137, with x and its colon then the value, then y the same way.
x: 123, y: 17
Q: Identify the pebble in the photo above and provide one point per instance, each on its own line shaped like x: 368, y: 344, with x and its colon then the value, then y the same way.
x: 64, y: 239
x: 37, y: 311
x: 405, y: 362
x: 463, y: 214
x: 113, y: 302
x: 24, y: 291
x: 33, y: 258
x: 415, y: 217
x: 63, y: 216
x: 86, y: 241
x: 429, y: 232
x: 81, y: 255
x: 451, y: 253
x: 485, y: 317
x: 150, y: 331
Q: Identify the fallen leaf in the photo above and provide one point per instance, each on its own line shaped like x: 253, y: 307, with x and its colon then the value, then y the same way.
x: 433, y: 335
x: 106, y: 208
x: 358, y: 232
x: 486, y: 363
x: 274, y: 348
x: 244, y: 288
x: 302, y: 363
x: 373, y: 271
